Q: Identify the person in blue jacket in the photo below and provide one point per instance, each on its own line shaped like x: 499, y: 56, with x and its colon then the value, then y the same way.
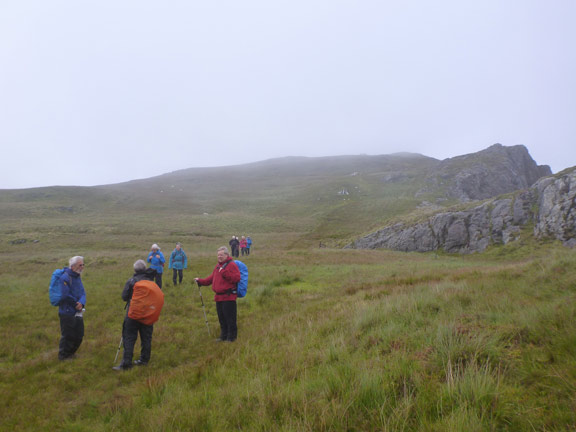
x: 157, y: 260
x: 70, y: 309
x: 178, y: 262
x: 248, y: 245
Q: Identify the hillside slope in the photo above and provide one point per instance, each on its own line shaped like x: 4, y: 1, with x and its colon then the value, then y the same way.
x: 329, y: 199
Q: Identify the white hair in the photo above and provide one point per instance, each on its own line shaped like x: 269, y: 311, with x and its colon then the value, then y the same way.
x: 139, y: 265
x: 155, y: 246
x: 74, y: 260
x: 224, y: 249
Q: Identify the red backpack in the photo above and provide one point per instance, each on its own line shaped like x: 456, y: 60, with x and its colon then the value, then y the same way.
x: 147, y: 301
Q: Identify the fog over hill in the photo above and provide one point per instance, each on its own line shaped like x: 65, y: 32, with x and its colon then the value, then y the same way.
x: 334, y: 199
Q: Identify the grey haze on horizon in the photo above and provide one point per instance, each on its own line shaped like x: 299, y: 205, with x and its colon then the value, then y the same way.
x: 101, y: 92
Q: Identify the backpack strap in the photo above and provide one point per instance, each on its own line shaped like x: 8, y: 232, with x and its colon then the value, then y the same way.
x: 231, y: 290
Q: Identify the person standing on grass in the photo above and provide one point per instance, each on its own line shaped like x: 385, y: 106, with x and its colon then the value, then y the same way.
x: 131, y: 327
x: 157, y: 260
x: 223, y: 279
x: 70, y: 309
x: 248, y: 245
x: 234, y: 243
x: 243, y: 246
x: 178, y: 262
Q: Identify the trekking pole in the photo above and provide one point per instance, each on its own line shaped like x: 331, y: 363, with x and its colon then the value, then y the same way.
x: 119, y: 346
x: 204, y: 309
x: 121, y: 337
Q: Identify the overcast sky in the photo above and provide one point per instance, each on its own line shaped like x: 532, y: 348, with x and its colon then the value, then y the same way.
x: 100, y: 91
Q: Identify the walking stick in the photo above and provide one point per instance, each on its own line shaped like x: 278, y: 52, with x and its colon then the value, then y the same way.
x: 204, y: 309
x: 119, y: 346
x: 121, y: 337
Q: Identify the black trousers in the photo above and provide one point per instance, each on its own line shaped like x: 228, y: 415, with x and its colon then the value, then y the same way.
x: 72, y: 333
x: 179, y: 273
x: 158, y: 279
x: 129, y: 336
x: 227, y: 314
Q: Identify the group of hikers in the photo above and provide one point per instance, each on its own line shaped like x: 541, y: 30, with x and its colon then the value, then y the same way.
x: 223, y: 279
x: 243, y: 245
x: 178, y: 262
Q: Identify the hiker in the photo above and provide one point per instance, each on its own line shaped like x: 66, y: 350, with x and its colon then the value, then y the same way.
x: 243, y: 246
x: 157, y: 260
x: 71, y: 309
x: 234, y: 243
x: 131, y: 327
x: 248, y: 245
x: 178, y: 262
x: 223, y: 280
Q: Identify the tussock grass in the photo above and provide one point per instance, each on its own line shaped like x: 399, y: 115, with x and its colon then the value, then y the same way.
x: 328, y: 340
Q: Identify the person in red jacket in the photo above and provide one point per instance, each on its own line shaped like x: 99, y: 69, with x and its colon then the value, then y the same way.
x: 223, y: 280
x: 244, y: 246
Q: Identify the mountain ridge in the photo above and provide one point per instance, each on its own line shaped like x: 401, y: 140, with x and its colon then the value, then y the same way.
x: 332, y: 199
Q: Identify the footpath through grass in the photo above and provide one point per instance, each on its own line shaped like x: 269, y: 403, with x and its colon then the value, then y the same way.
x: 329, y: 340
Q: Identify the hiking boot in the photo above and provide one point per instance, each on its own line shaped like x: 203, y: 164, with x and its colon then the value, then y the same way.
x: 121, y: 368
x: 70, y: 357
x: 140, y: 363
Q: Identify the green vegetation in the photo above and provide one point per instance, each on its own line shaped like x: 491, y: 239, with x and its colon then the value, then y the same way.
x: 292, y: 195
x: 329, y: 339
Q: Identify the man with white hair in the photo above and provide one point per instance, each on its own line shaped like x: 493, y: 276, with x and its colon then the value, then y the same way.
x: 70, y: 308
x: 224, y: 279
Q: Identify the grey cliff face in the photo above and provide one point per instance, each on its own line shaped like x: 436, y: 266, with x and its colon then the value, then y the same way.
x: 550, y: 204
x: 486, y: 174
x: 556, y: 217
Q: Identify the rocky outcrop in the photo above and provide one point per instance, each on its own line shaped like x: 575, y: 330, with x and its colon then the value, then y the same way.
x: 556, y: 214
x: 550, y: 204
x: 485, y: 174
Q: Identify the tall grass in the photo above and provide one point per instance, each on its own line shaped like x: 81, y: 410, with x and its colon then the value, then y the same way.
x: 329, y: 340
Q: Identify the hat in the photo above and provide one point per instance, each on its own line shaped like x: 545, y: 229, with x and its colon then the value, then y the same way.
x: 155, y: 246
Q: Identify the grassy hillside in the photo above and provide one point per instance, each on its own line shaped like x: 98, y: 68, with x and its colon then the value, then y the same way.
x: 329, y: 340
x: 297, y: 195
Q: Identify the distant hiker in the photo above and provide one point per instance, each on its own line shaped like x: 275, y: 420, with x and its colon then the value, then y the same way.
x: 248, y: 245
x: 178, y: 262
x: 70, y: 308
x: 243, y: 246
x: 132, y: 327
x: 157, y: 260
x: 234, y: 244
x: 223, y: 280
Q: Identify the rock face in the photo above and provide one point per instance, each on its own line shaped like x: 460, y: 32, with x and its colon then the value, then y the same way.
x: 556, y: 215
x: 486, y: 174
x: 550, y: 204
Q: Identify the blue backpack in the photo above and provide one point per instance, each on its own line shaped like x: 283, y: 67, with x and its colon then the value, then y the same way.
x: 242, y: 286
x: 54, y: 291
